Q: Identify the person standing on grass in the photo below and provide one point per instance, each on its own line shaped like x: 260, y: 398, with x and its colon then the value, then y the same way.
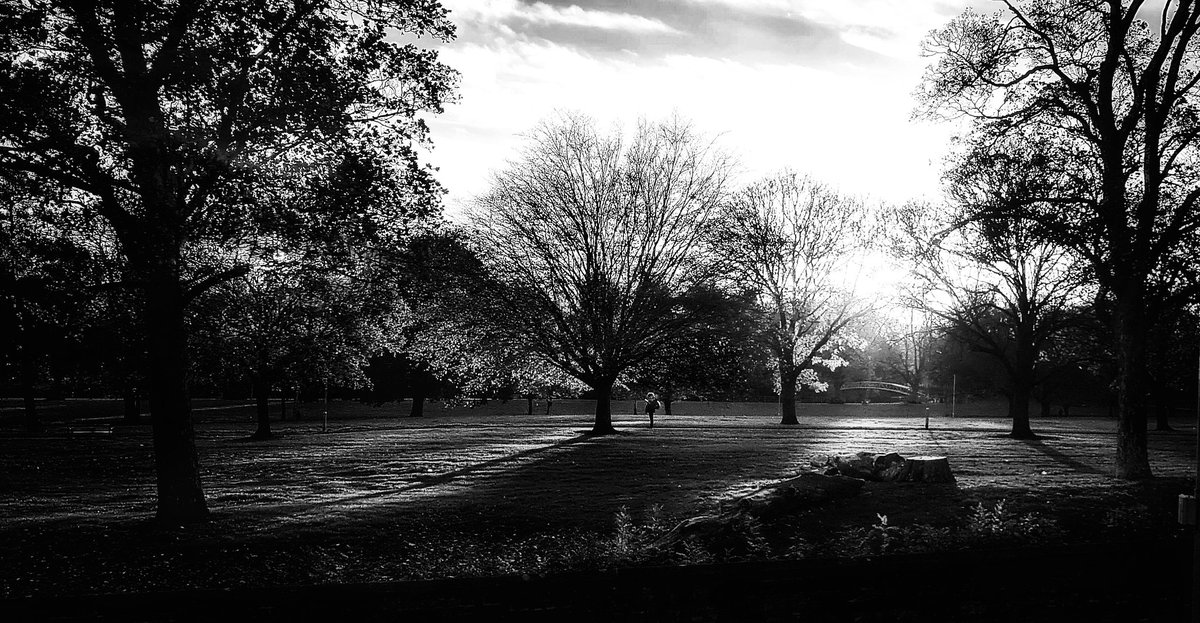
x: 651, y: 406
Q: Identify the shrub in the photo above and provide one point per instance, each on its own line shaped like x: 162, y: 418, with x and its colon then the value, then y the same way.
x: 880, y: 538
x: 630, y: 542
x: 1000, y: 523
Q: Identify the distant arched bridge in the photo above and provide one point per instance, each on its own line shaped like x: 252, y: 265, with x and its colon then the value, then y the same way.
x: 881, y: 386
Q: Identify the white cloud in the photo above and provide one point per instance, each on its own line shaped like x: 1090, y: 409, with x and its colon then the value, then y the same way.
x: 849, y: 127
x: 495, y: 11
x: 576, y: 16
x: 888, y: 27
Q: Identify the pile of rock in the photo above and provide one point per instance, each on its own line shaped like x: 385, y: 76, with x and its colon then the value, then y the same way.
x: 890, y: 467
x: 802, y: 492
x: 835, y: 477
x: 726, y: 530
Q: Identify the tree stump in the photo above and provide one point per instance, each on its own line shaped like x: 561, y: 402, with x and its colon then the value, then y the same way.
x: 925, y: 469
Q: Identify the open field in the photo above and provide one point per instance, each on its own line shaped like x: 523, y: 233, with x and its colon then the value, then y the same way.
x: 363, y: 500
x: 211, y: 410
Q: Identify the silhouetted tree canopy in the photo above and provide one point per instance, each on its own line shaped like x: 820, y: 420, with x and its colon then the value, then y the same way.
x: 1097, y: 107
x: 175, y: 121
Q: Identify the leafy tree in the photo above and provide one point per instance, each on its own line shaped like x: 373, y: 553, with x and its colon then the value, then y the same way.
x: 52, y: 270
x: 1077, y: 366
x: 1172, y: 359
x: 158, y: 116
x: 908, y: 350
x: 466, y: 349
x: 448, y: 344
x: 1097, y: 106
x: 851, y: 370
x: 592, y: 242
x: 877, y: 354
x: 960, y: 367
x: 318, y: 301
x: 287, y: 323
x: 791, y: 239
x: 718, y: 356
x: 862, y: 355
x: 110, y: 352
x: 397, y: 375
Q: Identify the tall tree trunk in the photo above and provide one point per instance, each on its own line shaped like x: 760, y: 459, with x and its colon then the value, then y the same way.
x: 914, y: 390
x: 835, y: 391
x: 1018, y: 410
x: 296, y: 402
x: 787, y: 399
x: 666, y: 403
x: 1044, y: 398
x: 262, y: 407
x: 603, y: 423
x: 418, y: 401
x: 1022, y: 384
x: 529, y: 398
x: 28, y: 383
x: 1133, y: 459
x: 1163, y: 406
x: 177, y: 467
x: 282, y: 404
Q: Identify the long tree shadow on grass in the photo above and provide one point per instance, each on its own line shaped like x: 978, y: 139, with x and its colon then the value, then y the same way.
x: 440, y: 479
x: 573, y: 485
x: 584, y: 485
x: 1061, y: 457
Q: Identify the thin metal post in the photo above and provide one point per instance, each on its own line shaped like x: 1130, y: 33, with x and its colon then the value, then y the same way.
x: 325, y: 421
x: 953, y: 395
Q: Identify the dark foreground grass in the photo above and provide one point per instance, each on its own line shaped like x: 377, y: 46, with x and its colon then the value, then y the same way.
x: 460, y: 494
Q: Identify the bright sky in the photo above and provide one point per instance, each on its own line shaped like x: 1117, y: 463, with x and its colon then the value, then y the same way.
x: 820, y: 86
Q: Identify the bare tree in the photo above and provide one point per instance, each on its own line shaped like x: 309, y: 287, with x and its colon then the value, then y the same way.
x: 791, y: 238
x: 592, y: 240
x: 995, y: 285
x: 1107, y: 102
x: 914, y: 344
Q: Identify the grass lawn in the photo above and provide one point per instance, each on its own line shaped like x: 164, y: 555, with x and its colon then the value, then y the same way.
x: 491, y: 490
